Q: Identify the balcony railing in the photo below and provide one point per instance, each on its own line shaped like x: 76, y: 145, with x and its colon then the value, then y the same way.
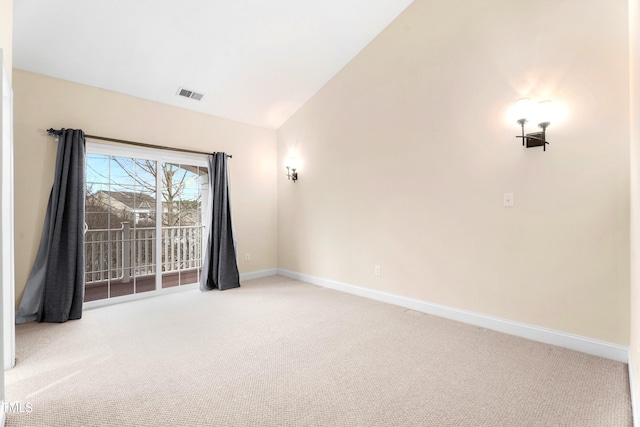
x: 126, y: 252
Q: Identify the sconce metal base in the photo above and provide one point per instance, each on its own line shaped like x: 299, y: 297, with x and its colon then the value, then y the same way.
x: 292, y: 174
x: 535, y: 139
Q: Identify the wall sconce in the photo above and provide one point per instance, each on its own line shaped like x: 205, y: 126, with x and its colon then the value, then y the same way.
x: 541, y: 112
x: 292, y: 165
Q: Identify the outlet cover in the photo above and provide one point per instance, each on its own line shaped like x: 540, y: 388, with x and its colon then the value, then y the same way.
x: 507, y: 200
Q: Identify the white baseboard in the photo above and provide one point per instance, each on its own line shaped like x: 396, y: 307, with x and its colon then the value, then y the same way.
x: 583, y: 344
x: 258, y: 274
x: 634, y: 395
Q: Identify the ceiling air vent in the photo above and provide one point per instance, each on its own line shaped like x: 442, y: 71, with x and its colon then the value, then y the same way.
x: 190, y: 94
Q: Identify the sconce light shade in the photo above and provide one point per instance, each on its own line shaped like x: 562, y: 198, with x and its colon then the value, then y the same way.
x: 293, y: 163
x: 544, y: 112
x: 522, y: 110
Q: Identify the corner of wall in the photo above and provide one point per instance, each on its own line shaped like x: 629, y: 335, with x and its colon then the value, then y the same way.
x: 634, y: 155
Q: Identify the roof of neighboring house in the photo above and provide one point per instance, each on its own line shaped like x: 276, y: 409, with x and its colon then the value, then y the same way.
x: 132, y: 200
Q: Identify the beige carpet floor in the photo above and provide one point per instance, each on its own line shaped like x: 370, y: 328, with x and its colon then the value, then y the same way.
x: 277, y: 352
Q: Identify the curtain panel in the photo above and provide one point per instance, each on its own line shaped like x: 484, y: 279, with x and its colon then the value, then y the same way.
x: 220, y: 264
x: 55, y: 287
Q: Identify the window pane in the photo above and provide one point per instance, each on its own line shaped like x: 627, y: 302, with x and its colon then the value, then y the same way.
x: 182, y: 230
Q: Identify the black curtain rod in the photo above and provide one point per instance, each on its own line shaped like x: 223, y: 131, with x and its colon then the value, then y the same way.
x: 54, y: 132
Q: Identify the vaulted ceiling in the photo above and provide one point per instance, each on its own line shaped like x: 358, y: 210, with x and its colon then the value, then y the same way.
x: 255, y: 61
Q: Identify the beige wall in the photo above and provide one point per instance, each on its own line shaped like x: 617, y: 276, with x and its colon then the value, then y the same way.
x: 42, y: 102
x: 6, y: 32
x: 407, y: 152
x: 634, y: 72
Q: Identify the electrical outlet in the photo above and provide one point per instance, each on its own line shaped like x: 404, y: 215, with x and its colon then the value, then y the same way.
x: 507, y: 200
x: 376, y: 270
x: 247, y: 257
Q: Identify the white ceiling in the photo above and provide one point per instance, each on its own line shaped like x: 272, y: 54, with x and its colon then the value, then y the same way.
x: 256, y: 61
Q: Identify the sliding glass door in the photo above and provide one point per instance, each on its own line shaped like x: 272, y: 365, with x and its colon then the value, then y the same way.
x: 144, y: 220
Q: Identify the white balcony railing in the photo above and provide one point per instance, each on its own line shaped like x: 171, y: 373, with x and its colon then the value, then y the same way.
x: 126, y: 252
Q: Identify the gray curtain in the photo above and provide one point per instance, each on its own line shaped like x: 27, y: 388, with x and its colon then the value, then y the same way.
x: 55, y: 288
x: 220, y: 265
